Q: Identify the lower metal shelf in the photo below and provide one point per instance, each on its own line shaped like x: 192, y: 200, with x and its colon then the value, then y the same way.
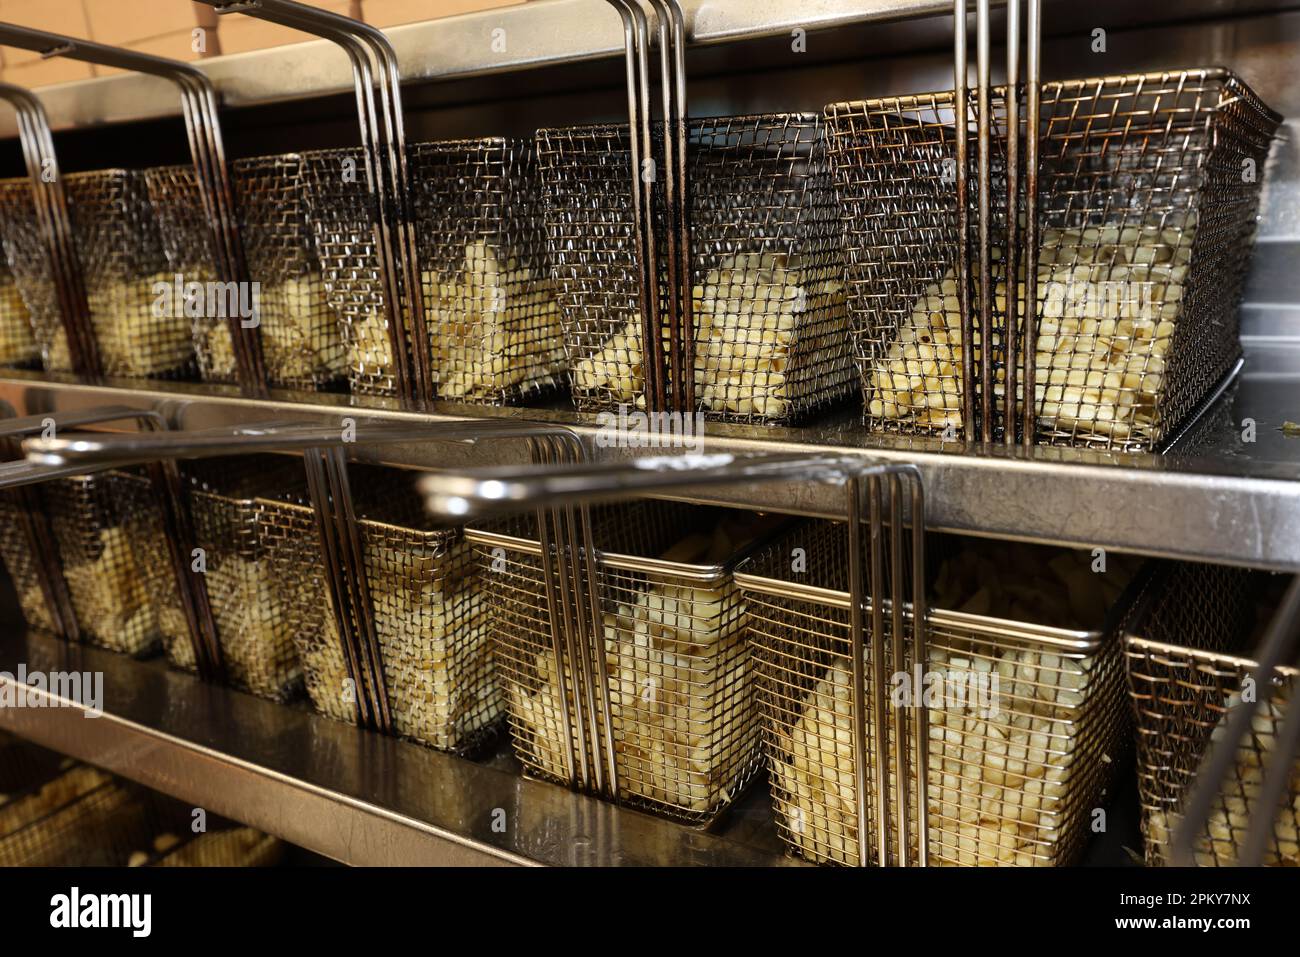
x: 351, y: 795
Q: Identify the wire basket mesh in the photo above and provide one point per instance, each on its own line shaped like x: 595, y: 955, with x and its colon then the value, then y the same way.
x: 684, y: 728
x: 22, y: 564
x: 232, y: 504
x: 429, y: 613
x: 139, y: 326
x: 1148, y: 193
x: 770, y: 315
x: 26, y: 267
x: 489, y: 303
x: 81, y: 817
x: 17, y: 223
x: 301, y: 342
x: 104, y: 526
x: 1025, y: 718
x: 1184, y: 680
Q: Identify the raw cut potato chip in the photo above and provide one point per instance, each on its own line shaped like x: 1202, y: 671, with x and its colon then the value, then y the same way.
x: 678, y: 669
x: 1108, y: 300
x: 494, y: 327
x: 434, y: 648
x: 1000, y: 761
x: 746, y: 313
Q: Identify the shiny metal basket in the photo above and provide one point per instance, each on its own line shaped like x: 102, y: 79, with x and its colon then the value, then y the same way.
x: 493, y: 322
x: 141, y: 331
x: 427, y: 604
x: 1024, y: 725
x: 1185, y: 675
x: 232, y: 505
x: 301, y: 341
x: 105, y: 529
x: 684, y: 728
x: 771, y: 329
x: 1148, y: 188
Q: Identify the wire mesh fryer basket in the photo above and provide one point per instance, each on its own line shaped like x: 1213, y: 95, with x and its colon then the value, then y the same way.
x: 1184, y: 679
x: 300, y: 335
x: 141, y: 332
x: 489, y: 303
x: 105, y: 528
x: 229, y: 501
x: 24, y: 255
x: 429, y: 613
x: 1147, y: 197
x: 1022, y: 726
x: 685, y: 732
x: 770, y: 315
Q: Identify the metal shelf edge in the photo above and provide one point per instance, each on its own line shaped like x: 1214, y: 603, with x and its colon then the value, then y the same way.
x: 351, y: 795
x: 1206, y: 509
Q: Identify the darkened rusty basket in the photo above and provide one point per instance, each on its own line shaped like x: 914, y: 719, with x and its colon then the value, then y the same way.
x: 301, y: 341
x: 140, y: 329
x: 1186, y: 673
x: 1148, y: 189
x: 429, y: 611
x: 490, y: 310
x: 79, y: 817
x: 768, y: 298
x: 1022, y: 740
x: 685, y: 731
x: 180, y: 835
x: 106, y: 529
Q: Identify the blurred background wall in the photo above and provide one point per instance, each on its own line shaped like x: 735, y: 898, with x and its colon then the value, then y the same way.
x: 166, y: 28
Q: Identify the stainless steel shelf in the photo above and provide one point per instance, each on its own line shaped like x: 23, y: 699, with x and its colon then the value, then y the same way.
x: 351, y: 795
x: 1219, y: 499
x: 554, y: 32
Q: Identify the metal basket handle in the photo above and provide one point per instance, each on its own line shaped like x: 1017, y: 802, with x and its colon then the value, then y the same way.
x: 51, y: 207
x: 984, y: 199
x: 671, y: 386
x: 496, y: 491
x: 383, y: 141
x: 203, y: 127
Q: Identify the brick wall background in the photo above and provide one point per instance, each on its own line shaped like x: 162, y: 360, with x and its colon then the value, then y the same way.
x: 165, y: 28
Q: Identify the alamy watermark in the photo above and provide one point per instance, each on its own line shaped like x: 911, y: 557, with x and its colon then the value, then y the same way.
x: 632, y: 429
x: 956, y: 689
x: 208, y: 300
x: 53, y: 689
x: 1117, y: 299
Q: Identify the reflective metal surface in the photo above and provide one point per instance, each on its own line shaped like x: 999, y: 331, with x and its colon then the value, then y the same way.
x: 1229, y: 492
x: 331, y: 788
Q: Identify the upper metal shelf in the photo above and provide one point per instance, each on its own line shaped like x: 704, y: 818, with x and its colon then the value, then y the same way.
x: 1230, y: 494
x: 552, y: 32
